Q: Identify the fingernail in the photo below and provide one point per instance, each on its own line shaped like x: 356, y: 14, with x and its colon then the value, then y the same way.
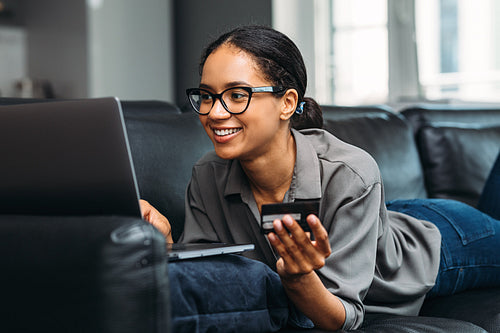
x: 278, y: 226
x: 287, y: 220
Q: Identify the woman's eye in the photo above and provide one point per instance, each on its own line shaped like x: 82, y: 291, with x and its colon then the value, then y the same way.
x: 238, y: 96
x: 205, y: 97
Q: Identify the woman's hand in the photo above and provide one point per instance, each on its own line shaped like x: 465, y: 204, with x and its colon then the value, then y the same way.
x: 160, y: 222
x: 298, y: 254
x: 299, y: 258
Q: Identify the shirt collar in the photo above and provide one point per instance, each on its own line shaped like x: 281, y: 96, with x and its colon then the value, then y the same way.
x: 307, y: 169
x: 306, y: 173
x: 235, y: 179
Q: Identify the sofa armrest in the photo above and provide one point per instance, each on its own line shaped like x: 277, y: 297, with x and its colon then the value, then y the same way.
x: 83, y: 274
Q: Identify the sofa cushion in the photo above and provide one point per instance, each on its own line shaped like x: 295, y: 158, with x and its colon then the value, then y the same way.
x: 484, y: 303
x: 388, y: 323
x: 403, y: 324
x: 389, y: 139
x: 164, y: 148
x: 457, y: 159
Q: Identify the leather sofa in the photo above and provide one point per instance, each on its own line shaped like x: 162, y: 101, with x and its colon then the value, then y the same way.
x: 82, y: 273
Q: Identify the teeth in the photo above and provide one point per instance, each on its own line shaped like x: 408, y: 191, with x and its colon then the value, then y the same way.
x: 226, y: 131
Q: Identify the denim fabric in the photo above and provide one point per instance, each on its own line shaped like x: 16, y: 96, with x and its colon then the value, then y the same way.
x: 207, y: 296
x: 470, y: 243
x: 489, y: 202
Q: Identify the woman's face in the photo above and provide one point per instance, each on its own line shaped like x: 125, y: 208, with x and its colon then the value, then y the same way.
x: 258, y: 130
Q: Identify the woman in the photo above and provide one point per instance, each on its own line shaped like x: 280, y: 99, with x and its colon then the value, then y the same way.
x: 364, y: 257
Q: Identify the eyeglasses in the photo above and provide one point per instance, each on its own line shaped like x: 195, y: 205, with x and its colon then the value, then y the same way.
x: 235, y: 100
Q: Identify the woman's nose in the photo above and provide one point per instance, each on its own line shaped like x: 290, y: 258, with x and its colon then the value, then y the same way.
x: 218, y: 111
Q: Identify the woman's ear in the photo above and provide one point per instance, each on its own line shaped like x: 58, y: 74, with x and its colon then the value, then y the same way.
x: 289, y: 104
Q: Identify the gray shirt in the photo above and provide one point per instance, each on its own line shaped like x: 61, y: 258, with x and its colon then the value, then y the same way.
x: 382, y: 261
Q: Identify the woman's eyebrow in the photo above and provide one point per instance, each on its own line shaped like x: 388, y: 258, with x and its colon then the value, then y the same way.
x: 204, y: 86
x: 237, y: 83
x: 227, y: 85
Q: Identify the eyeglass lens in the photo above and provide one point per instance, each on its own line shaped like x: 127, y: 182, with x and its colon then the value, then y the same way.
x: 234, y: 100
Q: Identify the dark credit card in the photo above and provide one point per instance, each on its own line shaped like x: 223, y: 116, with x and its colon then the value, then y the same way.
x: 297, y: 210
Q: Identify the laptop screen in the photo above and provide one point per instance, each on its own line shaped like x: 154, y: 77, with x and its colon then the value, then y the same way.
x: 66, y: 158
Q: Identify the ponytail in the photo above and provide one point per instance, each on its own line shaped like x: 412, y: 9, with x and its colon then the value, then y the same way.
x: 311, y: 117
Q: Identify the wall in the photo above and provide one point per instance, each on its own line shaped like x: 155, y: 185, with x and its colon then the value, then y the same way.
x: 11, y: 13
x: 57, y: 44
x: 302, y: 21
x: 197, y: 22
x: 93, y: 48
x: 130, y: 49
x: 403, y: 70
x: 124, y: 48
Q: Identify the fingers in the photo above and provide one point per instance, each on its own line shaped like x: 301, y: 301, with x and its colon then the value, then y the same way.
x: 322, y: 240
x: 297, y: 235
x: 290, y: 263
x: 299, y: 254
x: 160, y: 222
x: 145, y: 209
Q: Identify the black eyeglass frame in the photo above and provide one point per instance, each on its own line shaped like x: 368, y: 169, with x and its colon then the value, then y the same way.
x: 250, y: 90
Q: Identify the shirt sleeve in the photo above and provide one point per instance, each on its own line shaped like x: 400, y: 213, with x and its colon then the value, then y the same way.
x: 352, y: 222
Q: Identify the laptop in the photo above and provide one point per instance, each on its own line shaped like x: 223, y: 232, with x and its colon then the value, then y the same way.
x: 181, y: 251
x: 73, y: 158
x: 66, y: 158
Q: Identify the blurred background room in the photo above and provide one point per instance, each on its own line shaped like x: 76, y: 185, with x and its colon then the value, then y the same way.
x: 358, y: 52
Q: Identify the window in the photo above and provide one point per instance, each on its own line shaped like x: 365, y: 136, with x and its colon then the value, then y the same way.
x: 396, y: 51
x: 359, y: 51
x: 459, y: 49
x: 345, y: 44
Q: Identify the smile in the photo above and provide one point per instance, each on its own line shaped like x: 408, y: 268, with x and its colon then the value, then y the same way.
x: 227, y: 131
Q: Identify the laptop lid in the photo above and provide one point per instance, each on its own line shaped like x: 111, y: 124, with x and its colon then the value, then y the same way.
x: 66, y: 158
x: 182, y: 251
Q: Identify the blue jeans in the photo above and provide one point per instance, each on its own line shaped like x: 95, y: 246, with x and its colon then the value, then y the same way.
x: 229, y: 293
x: 490, y: 198
x: 470, y: 238
x: 470, y: 243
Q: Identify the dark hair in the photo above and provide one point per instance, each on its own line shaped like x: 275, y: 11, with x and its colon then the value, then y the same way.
x: 281, y: 62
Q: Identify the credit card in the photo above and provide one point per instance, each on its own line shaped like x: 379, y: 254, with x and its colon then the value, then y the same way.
x: 297, y: 210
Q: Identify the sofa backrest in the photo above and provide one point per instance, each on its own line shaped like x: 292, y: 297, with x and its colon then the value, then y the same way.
x: 427, y: 114
x: 457, y: 146
x: 130, y: 108
x: 388, y: 138
x: 452, y: 155
x: 164, y: 147
x: 147, y: 108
